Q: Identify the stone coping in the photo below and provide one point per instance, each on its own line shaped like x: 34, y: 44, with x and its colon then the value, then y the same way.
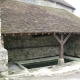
x: 50, y: 70
x: 46, y: 71
x: 44, y: 59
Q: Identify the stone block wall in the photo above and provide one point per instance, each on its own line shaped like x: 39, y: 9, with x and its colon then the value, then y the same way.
x: 30, y: 47
x: 72, y: 46
x: 3, y: 63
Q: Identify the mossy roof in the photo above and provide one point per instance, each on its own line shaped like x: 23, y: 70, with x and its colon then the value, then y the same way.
x: 18, y: 17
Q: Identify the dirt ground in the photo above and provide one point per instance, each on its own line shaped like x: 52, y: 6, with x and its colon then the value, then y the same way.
x: 73, y: 75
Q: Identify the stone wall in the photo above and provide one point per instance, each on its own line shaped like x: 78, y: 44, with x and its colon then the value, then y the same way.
x: 30, y: 47
x: 72, y: 46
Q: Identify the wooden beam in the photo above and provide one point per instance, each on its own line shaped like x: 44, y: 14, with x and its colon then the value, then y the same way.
x: 57, y: 38
x: 62, y: 38
x: 35, y: 33
x: 21, y: 34
x: 13, y: 34
x: 29, y: 34
x: 5, y: 35
x: 42, y: 33
x: 61, y: 50
x: 61, y: 46
x: 66, y: 38
x: 61, y: 41
x: 48, y: 33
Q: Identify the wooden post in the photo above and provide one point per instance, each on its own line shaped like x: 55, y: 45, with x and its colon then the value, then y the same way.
x: 61, y: 41
x: 61, y: 47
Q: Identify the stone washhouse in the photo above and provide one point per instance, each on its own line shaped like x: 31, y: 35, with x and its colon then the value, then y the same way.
x: 31, y: 29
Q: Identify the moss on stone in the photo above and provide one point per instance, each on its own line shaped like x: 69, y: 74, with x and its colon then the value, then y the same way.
x: 30, y: 47
x: 7, y: 64
x: 75, y: 54
x: 11, y: 72
x: 10, y: 60
x: 2, y: 79
x: 1, y: 76
x: 72, y: 46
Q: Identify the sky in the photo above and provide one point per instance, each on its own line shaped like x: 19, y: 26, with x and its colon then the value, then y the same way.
x: 76, y: 4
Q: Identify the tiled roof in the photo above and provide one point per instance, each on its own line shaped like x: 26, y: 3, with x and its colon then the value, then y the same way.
x: 20, y: 17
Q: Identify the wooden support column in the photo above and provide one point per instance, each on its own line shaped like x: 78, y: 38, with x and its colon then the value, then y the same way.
x: 61, y: 47
x: 61, y: 41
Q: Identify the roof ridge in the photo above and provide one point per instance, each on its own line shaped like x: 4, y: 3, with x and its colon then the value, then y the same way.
x: 63, y: 2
